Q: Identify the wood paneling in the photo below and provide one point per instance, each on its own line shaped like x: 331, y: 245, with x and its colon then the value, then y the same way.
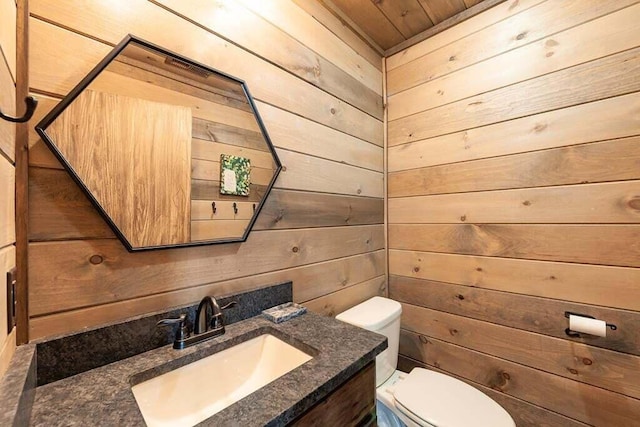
x: 323, y: 226
x: 269, y: 41
x: 8, y: 11
x: 101, y: 271
x: 7, y: 106
x: 267, y: 82
x: 610, y: 118
x: 306, y: 23
x: 546, y: 17
x: 337, y: 302
x: 65, y: 212
x: 316, y: 11
x: 439, y: 10
x: 610, y: 76
x: 389, y: 23
x: 406, y: 15
x: 309, y: 281
x: 497, y: 13
x: 300, y: 172
x: 590, y: 284
x: 599, y: 162
x: 614, y: 33
x: 372, y: 21
x: 513, y: 198
x: 614, y: 202
x: 7, y: 209
x: 588, y: 244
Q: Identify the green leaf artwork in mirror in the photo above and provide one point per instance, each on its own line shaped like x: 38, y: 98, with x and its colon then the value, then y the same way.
x: 235, y: 175
x: 170, y: 151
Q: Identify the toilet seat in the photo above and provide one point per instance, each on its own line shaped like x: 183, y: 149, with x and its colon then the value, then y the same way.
x: 429, y: 398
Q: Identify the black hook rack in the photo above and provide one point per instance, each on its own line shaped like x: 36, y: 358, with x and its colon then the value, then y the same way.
x: 574, y: 334
x: 31, y: 103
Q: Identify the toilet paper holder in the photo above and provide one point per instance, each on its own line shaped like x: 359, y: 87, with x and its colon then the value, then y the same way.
x: 574, y: 334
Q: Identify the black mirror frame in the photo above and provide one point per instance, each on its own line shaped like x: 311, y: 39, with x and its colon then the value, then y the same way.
x: 86, y: 81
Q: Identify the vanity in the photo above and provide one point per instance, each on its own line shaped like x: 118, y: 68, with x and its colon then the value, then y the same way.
x: 334, y: 383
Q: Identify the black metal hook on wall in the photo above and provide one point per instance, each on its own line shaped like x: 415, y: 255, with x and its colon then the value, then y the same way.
x: 213, y: 207
x: 235, y: 208
x: 31, y: 103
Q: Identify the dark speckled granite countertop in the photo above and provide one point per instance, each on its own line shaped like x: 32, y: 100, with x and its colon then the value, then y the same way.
x: 103, y: 395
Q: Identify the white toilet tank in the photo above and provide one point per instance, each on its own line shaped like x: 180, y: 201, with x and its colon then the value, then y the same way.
x: 381, y: 315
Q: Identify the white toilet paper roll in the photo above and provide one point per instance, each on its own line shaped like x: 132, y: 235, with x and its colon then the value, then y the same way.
x: 588, y: 326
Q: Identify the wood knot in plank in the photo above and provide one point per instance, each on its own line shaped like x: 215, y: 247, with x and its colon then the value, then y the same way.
x: 499, y: 381
x: 522, y: 35
x: 634, y: 203
x: 295, y: 249
x: 96, y: 259
x: 539, y: 127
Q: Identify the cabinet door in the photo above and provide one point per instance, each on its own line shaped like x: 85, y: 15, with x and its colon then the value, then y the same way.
x: 352, y: 404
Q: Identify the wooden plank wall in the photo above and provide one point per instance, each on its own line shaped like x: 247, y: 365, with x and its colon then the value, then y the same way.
x: 321, y: 101
x: 514, y: 196
x: 7, y: 170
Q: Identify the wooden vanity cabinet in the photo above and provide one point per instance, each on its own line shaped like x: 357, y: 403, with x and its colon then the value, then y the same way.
x: 352, y: 404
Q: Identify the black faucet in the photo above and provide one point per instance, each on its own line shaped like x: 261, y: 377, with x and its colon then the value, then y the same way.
x: 209, y: 323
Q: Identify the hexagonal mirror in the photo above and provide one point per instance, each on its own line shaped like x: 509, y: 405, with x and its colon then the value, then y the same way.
x: 170, y: 151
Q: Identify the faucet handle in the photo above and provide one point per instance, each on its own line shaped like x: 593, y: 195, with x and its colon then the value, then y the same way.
x: 183, y: 330
x: 231, y: 304
x: 217, y: 321
x: 182, y: 319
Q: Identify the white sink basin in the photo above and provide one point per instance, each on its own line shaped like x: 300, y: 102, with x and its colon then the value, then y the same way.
x: 194, y: 392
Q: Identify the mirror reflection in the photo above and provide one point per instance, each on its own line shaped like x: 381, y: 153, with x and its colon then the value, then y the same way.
x: 171, y: 152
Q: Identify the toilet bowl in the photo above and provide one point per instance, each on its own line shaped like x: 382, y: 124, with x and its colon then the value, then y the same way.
x: 422, y: 397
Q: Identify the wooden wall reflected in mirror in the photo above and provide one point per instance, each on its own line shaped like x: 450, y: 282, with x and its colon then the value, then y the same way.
x: 143, y: 135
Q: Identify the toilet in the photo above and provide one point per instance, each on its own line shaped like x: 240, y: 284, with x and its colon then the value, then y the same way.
x: 421, y: 397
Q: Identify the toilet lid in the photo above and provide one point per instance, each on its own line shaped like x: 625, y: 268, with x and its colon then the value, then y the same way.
x: 443, y: 401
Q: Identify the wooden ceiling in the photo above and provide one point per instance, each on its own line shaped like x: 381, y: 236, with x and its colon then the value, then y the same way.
x: 388, y: 23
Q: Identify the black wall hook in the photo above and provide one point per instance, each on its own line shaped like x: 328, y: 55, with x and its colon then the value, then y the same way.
x: 31, y: 103
x: 235, y: 208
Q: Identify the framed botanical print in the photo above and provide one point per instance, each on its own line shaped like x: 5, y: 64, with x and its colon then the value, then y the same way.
x: 235, y: 175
